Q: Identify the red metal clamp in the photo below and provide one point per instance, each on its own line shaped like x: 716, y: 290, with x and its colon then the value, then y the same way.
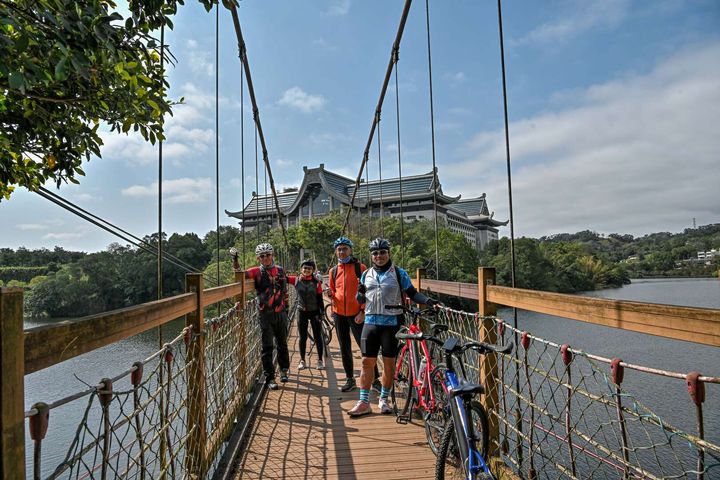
x: 695, y: 387
x: 501, y: 327
x: 136, y: 375
x: 169, y: 355
x: 39, y: 421
x: 567, y: 355
x: 617, y: 370
x: 105, y: 393
x: 525, y: 340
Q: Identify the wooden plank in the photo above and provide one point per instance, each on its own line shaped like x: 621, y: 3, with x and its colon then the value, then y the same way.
x: 218, y: 294
x: 700, y: 325
x: 12, y: 426
x: 50, y: 344
x: 462, y: 290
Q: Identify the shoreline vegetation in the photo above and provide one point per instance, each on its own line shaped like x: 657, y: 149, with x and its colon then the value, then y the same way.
x: 61, y: 283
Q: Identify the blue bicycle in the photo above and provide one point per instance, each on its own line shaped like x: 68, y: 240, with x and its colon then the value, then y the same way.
x: 464, y: 445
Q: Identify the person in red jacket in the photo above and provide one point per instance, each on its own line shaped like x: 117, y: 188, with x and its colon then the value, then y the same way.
x: 271, y: 287
x: 343, y: 281
x: 310, y: 307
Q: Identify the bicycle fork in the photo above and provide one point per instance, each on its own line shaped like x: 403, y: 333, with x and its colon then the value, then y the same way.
x: 472, y: 460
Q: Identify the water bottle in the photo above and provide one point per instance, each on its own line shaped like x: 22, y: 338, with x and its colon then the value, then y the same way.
x: 422, y: 369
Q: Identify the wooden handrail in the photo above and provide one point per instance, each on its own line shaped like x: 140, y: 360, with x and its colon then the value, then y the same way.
x: 693, y: 324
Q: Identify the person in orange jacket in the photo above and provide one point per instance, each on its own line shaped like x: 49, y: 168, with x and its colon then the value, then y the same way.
x: 343, y: 280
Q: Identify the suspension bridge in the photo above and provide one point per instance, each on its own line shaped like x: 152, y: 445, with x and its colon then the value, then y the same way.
x: 195, y: 408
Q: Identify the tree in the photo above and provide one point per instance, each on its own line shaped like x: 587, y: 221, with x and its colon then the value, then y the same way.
x: 68, y: 66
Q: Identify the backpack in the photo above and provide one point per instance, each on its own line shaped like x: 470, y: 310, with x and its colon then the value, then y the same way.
x: 333, y: 272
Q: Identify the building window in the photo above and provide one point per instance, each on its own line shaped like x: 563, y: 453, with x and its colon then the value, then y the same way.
x: 321, y: 203
x: 305, y: 210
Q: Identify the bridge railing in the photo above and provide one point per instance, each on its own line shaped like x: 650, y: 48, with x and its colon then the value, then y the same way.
x: 556, y: 411
x: 165, y: 416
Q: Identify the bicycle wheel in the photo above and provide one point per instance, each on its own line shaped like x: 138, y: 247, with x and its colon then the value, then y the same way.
x: 449, y: 464
x: 329, y: 313
x: 327, y: 331
x: 435, y: 419
x: 401, y: 394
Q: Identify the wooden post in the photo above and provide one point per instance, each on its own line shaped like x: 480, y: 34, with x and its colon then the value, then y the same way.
x: 12, y: 386
x: 489, y: 363
x: 242, y: 336
x: 196, y: 464
x: 419, y: 274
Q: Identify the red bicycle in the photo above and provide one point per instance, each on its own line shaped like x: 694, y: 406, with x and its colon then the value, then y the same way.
x: 419, y: 385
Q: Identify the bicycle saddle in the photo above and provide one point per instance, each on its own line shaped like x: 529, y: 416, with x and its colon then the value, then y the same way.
x: 468, y: 389
x: 436, y: 328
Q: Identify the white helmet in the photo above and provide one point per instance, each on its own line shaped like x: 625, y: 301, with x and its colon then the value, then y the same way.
x: 263, y: 248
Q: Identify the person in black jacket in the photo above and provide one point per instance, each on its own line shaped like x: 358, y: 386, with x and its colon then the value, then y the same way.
x: 310, y: 301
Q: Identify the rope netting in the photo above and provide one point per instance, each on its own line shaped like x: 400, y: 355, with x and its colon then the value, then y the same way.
x: 143, y: 423
x: 563, y: 412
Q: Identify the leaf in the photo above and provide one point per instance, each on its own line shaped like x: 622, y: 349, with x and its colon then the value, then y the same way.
x: 129, y: 23
x: 154, y: 105
x: 61, y: 69
x: 16, y: 80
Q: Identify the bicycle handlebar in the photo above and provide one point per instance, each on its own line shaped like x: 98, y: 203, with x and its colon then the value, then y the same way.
x: 410, y: 310
x: 480, y: 347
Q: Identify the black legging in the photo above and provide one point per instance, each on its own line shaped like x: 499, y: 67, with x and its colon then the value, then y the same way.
x: 314, y: 318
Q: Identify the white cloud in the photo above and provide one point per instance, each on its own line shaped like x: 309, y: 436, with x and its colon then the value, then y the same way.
x: 324, y: 44
x: 455, y: 78
x: 585, y: 16
x: 338, y: 8
x: 634, y: 155
x: 64, y: 236
x: 198, y: 59
x: 32, y: 226
x: 282, y: 162
x: 181, y: 190
x: 295, y: 97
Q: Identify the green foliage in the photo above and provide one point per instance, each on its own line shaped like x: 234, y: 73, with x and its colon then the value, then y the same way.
x: 68, y: 66
x: 23, y: 274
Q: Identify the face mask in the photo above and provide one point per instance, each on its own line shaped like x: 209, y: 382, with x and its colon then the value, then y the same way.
x: 347, y: 259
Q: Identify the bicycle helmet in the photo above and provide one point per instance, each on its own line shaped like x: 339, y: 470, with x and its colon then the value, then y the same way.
x: 263, y: 248
x: 343, y: 241
x: 379, y: 244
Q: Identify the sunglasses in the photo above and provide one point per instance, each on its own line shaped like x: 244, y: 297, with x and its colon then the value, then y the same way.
x: 265, y: 255
x: 343, y: 249
x: 377, y: 253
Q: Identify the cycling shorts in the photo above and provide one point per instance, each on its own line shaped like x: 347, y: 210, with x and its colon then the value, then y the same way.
x: 375, y: 337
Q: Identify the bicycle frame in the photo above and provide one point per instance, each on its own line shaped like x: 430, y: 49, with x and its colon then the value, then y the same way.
x: 459, y: 408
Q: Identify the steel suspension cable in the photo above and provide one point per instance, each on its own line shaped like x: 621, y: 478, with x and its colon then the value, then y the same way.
x: 257, y: 188
x: 432, y: 137
x: 378, y: 108
x: 114, y: 230
x: 256, y: 115
x: 397, y: 116
x: 512, y: 222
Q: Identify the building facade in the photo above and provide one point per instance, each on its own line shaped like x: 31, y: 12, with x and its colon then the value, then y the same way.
x: 322, y: 192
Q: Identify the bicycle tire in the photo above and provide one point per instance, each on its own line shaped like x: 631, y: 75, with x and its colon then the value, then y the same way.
x: 327, y: 331
x: 329, y: 313
x: 448, y: 465
x: 402, y: 389
x: 435, y: 420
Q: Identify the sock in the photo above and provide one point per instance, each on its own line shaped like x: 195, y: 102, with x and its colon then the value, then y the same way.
x: 365, y: 395
x: 384, y: 392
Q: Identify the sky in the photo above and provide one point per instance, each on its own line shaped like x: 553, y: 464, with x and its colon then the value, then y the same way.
x: 614, y: 115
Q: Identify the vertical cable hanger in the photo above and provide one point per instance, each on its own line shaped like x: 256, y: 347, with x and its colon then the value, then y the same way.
x: 382, y: 213
x: 432, y: 136
x: 512, y: 221
x: 257, y: 189
x: 160, y: 180
x: 397, y: 116
x: 217, y: 143
x: 369, y: 210
x: 242, y: 151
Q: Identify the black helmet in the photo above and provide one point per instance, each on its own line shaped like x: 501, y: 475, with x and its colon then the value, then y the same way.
x: 379, y: 244
x: 308, y: 263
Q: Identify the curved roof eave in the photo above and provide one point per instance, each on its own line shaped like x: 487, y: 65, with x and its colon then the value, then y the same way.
x: 336, y: 195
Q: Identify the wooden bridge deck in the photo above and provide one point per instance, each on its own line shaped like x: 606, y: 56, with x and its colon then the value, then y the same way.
x: 302, y: 431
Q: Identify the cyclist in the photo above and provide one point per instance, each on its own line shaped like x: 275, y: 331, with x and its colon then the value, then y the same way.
x: 271, y: 287
x: 383, y: 284
x: 310, y: 299
x: 343, y: 281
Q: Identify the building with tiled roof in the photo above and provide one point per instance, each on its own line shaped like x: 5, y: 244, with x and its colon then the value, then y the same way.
x: 323, y: 191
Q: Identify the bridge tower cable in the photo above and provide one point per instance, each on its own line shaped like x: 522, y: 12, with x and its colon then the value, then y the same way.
x: 512, y: 225
x: 432, y: 137
x: 378, y: 108
x: 114, y: 229
x: 257, y: 188
x: 256, y: 115
x: 396, y: 53
x: 160, y: 180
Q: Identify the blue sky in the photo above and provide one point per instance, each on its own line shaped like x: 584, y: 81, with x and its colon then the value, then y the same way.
x: 614, y: 110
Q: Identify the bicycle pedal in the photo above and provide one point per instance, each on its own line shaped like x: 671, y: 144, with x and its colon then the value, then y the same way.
x: 403, y: 419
